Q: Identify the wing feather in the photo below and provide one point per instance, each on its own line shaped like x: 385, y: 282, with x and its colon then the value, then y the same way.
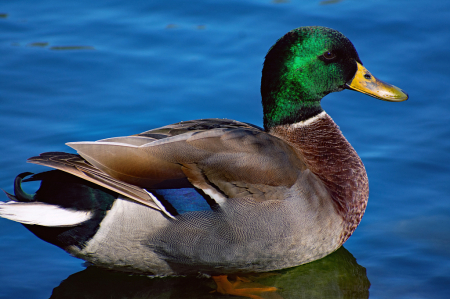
x: 223, y: 158
x: 77, y: 166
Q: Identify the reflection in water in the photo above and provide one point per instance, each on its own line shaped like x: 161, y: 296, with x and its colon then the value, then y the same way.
x: 46, y: 44
x: 38, y: 44
x: 72, y: 48
x: 326, y: 2
x: 336, y: 276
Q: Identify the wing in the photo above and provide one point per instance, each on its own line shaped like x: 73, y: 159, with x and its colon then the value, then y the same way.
x: 222, y: 158
x: 76, y: 165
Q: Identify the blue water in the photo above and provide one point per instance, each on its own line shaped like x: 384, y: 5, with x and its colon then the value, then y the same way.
x: 87, y: 70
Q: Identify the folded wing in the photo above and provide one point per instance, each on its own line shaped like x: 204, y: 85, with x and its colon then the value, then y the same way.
x: 222, y: 158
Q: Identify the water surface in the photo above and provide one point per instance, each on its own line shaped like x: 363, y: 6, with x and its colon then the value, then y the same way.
x: 87, y: 70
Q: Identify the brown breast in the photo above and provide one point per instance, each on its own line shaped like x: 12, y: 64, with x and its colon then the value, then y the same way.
x: 323, y: 148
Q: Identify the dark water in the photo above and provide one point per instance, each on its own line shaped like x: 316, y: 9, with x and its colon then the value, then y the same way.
x: 86, y: 70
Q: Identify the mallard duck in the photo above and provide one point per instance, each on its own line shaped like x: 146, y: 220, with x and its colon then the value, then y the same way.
x: 217, y: 196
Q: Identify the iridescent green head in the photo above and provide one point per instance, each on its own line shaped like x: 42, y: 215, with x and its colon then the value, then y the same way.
x: 305, y: 65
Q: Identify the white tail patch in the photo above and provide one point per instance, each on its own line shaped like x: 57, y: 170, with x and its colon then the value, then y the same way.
x: 39, y: 213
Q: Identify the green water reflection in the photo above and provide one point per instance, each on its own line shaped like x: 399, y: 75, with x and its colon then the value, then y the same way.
x: 336, y: 276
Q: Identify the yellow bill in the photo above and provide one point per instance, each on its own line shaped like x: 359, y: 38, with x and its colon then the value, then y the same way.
x: 366, y: 83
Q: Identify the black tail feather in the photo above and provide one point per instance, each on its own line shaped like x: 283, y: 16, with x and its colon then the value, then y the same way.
x: 19, y: 194
x: 10, y: 196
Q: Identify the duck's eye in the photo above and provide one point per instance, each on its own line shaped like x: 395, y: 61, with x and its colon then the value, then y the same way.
x: 329, y: 55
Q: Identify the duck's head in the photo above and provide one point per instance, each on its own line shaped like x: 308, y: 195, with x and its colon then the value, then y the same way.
x: 308, y: 63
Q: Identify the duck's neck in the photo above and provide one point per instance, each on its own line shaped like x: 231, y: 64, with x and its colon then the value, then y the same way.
x: 321, y: 145
x: 287, y: 101
x: 289, y: 110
